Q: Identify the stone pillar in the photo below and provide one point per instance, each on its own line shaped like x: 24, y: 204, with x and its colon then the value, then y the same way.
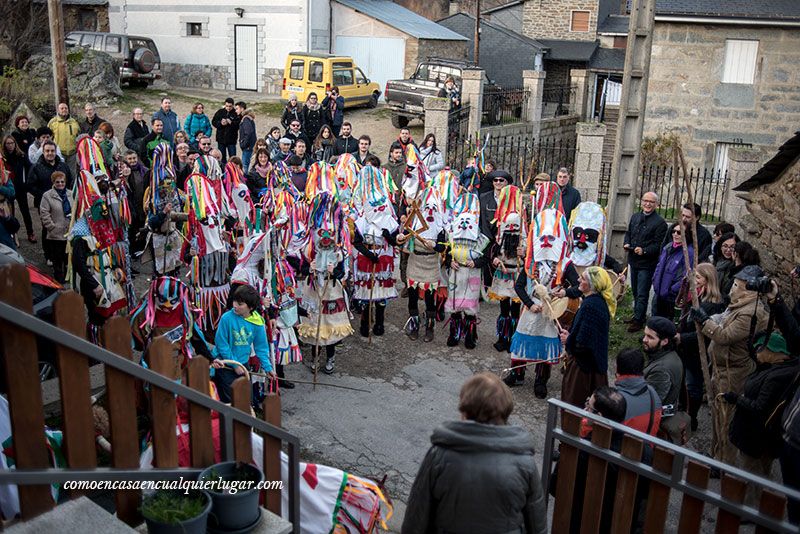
x: 472, y: 82
x: 436, y: 114
x: 533, y: 83
x: 742, y: 164
x: 588, y: 156
x: 579, y: 78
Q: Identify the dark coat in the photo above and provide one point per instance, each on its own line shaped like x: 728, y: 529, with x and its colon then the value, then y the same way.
x: 763, y: 390
x: 664, y: 372
x: 300, y: 135
x: 466, y: 455
x: 725, y: 271
x: 24, y: 141
x: 646, y: 231
x: 345, y: 145
x: 313, y: 119
x: 226, y: 134
x: 488, y: 207
x: 290, y: 114
x: 134, y: 134
x: 8, y: 227
x: 39, y: 179
x: 588, y: 337
x: 89, y: 128
x: 335, y: 117
x: 570, y: 198
x: 669, y: 272
x: 247, y: 133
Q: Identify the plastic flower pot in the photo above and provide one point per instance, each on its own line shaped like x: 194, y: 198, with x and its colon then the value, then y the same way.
x: 233, y: 510
x: 173, y: 512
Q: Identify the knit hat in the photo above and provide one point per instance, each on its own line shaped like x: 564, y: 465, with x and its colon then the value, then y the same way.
x: 776, y: 343
x: 663, y: 327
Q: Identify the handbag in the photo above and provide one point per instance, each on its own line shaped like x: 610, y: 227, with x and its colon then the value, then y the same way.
x: 675, y: 428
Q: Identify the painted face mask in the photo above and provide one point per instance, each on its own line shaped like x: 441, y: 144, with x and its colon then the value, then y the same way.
x: 432, y: 213
x: 416, y: 176
x: 588, y: 232
x: 508, y: 215
x: 548, y: 247
x: 379, y: 214
x: 466, y: 227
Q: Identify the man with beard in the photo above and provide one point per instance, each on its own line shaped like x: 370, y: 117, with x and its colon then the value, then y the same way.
x: 65, y: 131
x: 505, y: 258
x: 151, y: 141
x: 423, y: 246
x: 664, y: 370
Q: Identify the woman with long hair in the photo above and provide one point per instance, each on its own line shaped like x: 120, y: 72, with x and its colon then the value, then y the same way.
x: 272, y: 139
x: 16, y: 165
x: 712, y: 302
x: 258, y: 176
x: 196, y: 122
x: 112, y: 141
x: 313, y: 117
x: 431, y: 156
x: 322, y: 149
x: 723, y: 261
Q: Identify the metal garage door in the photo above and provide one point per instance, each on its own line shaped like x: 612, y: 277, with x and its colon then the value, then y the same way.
x: 246, y: 57
x: 381, y: 58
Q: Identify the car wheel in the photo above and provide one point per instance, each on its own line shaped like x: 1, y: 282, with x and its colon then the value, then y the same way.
x: 144, y: 61
x: 399, y: 121
x: 373, y: 101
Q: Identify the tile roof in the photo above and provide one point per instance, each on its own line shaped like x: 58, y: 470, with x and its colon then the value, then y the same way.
x: 569, y: 50
x: 786, y: 10
x: 402, y: 19
x: 608, y: 59
x: 614, y: 24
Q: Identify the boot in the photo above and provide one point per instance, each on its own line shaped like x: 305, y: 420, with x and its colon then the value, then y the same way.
x: 412, y: 327
x: 330, y: 362
x: 282, y: 382
x: 502, y: 344
x: 380, y: 311
x: 516, y: 377
x: 440, y: 300
x: 471, y: 332
x: 363, y: 329
x: 455, y: 330
x: 693, y: 408
x: 430, y: 322
x: 540, y: 382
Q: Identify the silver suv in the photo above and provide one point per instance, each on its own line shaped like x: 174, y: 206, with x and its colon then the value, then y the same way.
x: 141, y: 63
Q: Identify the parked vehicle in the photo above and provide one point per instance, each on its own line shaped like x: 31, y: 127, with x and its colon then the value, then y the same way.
x: 406, y: 98
x: 139, y: 57
x: 308, y: 72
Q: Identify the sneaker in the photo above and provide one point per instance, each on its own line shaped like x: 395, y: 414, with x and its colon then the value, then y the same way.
x: 328, y: 369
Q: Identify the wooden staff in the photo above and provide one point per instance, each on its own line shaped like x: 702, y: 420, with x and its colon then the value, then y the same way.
x: 319, y: 326
x: 676, y: 154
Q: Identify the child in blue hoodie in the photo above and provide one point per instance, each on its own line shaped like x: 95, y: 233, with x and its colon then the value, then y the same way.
x: 240, y: 329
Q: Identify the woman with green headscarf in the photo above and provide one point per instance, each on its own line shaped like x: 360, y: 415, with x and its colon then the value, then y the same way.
x: 586, y: 343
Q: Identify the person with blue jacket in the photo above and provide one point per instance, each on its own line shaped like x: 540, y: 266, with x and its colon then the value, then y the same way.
x: 669, y: 273
x: 197, y: 122
x: 241, y: 331
x: 333, y: 104
x: 168, y: 117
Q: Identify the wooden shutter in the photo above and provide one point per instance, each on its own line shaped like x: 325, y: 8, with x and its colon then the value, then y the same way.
x: 580, y: 21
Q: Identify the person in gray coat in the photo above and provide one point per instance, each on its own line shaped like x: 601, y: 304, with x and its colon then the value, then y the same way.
x: 479, y: 476
x: 664, y: 369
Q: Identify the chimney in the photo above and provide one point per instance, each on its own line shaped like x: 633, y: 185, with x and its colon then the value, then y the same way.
x: 455, y: 7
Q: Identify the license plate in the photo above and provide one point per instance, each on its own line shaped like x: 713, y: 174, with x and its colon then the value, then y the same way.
x: 294, y: 89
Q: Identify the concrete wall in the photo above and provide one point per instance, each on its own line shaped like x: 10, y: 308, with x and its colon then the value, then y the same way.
x: 685, y: 93
x: 348, y: 22
x: 551, y: 19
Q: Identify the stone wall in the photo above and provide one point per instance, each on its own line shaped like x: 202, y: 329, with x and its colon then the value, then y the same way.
x: 685, y: 93
x: 559, y: 128
x: 202, y: 76
x: 773, y: 224
x: 551, y: 19
x: 421, y: 49
x: 78, y: 17
x: 430, y: 9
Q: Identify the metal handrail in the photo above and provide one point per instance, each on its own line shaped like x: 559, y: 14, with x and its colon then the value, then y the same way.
x: 674, y: 480
x: 228, y: 413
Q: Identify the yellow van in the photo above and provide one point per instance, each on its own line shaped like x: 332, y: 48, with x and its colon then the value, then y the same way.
x: 308, y: 72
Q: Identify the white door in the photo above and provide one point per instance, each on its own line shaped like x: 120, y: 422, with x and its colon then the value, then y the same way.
x: 381, y: 58
x: 246, y: 57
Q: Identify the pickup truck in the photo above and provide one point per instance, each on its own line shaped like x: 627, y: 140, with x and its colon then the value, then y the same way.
x: 406, y: 97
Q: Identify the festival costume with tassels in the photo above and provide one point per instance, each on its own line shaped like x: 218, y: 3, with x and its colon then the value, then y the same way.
x: 467, y: 249
x: 165, y: 238
x: 241, y: 205
x: 208, y: 208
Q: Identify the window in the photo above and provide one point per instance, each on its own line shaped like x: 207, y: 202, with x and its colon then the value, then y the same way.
x: 194, y: 29
x: 98, y: 43
x: 342, y: 65
x: 343, y: 77
x: 315, y: 71
x: 740, y: 61
x: 360, y: 78
x: 112, y: 44
x: 580, y: 21
x: 87, y: 20
x: 721, y: 156
x: 620, y: 41
x: 296, y: 69
x: 87, y: 40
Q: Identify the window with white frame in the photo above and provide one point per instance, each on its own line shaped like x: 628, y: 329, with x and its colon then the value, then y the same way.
x: 740, y: 61
x: 721, y: 156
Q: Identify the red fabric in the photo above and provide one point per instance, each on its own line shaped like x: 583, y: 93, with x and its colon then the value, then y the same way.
x: 38, y: 277
x: 385, y: 263
x: 310, y: 476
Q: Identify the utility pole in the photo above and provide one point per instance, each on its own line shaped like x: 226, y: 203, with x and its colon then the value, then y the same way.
x: 625, y: 166
x: 55, y: 15
x: 476, y: 52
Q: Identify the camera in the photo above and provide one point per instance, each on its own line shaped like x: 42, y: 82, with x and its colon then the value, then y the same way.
x: 762, y: 284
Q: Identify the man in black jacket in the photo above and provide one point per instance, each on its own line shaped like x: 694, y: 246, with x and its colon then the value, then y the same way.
x: 646, y: 231
x: 345, y: 143
x: 39, y: 181
x: 570, y: 197
x: 136, y: 131
x: 689, y: 214
x: 91, y: 122
x: 226, y: 121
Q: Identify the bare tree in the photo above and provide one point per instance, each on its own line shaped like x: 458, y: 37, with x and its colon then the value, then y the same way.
x: 23, y: 28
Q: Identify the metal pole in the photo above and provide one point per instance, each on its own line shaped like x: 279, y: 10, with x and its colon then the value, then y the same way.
x: 55, y: 16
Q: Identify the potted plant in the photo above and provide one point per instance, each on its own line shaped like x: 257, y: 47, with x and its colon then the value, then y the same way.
x: 234, y: 508
x: 173, y: 512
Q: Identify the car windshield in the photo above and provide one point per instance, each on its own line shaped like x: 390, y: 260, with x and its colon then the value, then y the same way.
x: 437, y: 73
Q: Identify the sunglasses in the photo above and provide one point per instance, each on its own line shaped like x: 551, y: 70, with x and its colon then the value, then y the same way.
x: 498, y: 180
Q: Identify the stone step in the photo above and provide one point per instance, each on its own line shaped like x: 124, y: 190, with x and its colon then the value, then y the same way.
x: 270, y: 524
x: 77, y: 515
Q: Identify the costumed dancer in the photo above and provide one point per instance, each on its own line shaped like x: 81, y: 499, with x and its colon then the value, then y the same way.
x: 207, y: 247
x: 466, y: 257
x: 423, y: 238
x: 241, y: 205
x: 165, y: 205
x: 346, y: 170
x: 168, y: 310
x: 446, y: 182
x: 327, y: 321
x: 587, y: 227
x: 546, y: 266
x: 505, y: 257
x: 375, y: 239
x: 414, y: 181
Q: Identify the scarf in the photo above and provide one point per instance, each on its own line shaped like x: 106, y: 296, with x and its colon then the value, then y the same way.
x: 65, y: 205
x: 262, y: 171
x: 603, y: 286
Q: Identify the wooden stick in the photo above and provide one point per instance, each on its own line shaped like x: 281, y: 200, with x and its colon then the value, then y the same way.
x: 318, y: 383
x: 319, y: 325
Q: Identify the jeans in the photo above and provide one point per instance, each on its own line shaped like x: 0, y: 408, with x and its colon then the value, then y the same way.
x: 246, y: 155
x: 227, y: 151
x: 641, y: 280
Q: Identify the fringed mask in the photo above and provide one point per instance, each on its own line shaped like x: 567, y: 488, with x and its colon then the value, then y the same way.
x: 588, y: 230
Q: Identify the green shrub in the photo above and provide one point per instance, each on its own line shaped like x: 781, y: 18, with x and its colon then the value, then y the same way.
x: 172, y: 508
x: 17, y: 86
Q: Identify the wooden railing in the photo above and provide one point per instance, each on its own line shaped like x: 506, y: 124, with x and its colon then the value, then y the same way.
x: 33, y: 474
x: 672, y: 468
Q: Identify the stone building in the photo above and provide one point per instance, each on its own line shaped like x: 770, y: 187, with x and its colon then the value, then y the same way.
x: 86, y: 15
x: 772, y: 201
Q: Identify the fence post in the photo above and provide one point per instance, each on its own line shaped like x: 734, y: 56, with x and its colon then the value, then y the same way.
x: 742, y: 164
x: 588, y: 159
x: 472, y: 82
x: 580, y: 79
x: 533, y: 84
x: 436, y: 121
